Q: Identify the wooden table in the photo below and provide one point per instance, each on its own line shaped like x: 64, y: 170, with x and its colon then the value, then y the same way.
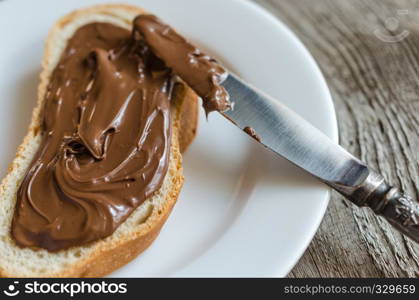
x: 368, y: 51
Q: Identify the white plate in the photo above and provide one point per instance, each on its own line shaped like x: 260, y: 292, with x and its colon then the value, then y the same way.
x: 243, y: 211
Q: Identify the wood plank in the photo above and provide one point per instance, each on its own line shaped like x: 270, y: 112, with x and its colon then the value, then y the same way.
x: 375, y: 87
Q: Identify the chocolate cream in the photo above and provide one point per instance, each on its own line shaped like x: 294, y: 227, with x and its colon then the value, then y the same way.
x: 106, y: 130
x: 201, y: 72
x: 250, y: 131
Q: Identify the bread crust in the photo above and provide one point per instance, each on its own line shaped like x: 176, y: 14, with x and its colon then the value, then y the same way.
x: 109, y: 256
x: 188, y: 118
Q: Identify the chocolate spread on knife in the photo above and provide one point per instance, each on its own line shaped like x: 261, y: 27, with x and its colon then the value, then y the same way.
x: 250, y: 131
x: 106, y: 131
x: 201, y: 72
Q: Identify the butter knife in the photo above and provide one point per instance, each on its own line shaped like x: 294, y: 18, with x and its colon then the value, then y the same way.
x: 283, y: 131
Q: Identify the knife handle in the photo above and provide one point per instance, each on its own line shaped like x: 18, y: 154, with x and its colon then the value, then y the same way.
x: 387, y: 201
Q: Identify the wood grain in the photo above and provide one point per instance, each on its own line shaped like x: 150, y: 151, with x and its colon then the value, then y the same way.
x: 375, y: 87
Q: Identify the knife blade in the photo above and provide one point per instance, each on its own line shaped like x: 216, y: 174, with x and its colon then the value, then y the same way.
x: 286, y: 133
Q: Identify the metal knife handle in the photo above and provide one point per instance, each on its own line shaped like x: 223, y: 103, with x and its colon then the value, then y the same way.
x: 387, y: 201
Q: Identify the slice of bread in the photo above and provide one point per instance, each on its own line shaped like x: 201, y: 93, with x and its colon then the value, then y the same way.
x: 141, y: 228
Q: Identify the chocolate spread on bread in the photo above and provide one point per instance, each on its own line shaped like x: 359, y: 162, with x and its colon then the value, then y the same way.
x: 106, y: 130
